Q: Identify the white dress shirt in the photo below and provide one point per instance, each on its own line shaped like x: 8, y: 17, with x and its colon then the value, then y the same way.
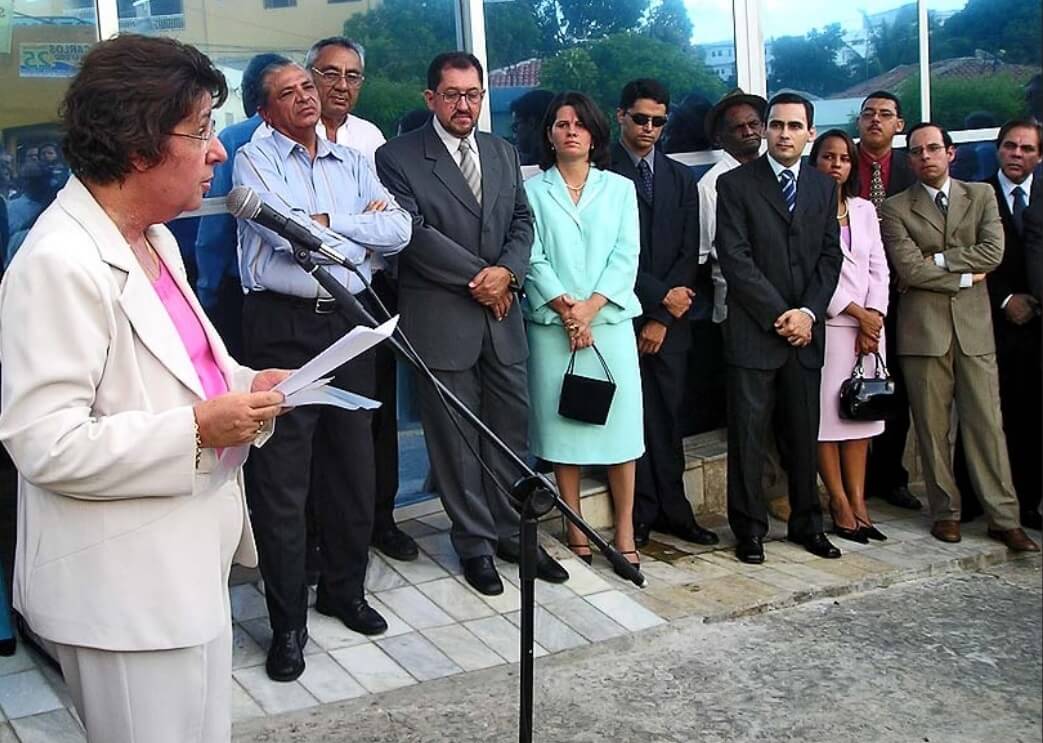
x: 452, y: 144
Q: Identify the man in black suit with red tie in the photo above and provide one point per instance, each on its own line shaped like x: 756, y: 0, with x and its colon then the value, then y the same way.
x: 1016, y: 313
x: 778, y: 243
x: 668, y: 205
x: 884, y: 171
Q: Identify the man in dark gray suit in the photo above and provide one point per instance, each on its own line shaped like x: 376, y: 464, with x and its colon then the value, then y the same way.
x: 779, y: 247
x: 458, y: 279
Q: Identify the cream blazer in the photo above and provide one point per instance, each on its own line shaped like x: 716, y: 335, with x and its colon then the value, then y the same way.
x: 120, y: 537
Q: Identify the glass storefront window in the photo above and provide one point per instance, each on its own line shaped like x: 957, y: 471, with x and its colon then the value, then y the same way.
x: 539, y: 48
x: 41, y: 42
x: 837, y: 53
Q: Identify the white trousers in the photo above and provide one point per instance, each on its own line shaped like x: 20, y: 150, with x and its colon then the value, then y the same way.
x: 158, y: 696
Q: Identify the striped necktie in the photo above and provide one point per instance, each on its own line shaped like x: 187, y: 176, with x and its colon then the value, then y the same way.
x: 789, y: 188
x: 470, y: 170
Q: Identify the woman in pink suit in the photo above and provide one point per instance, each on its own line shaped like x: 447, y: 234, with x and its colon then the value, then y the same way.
x: 854, y: 325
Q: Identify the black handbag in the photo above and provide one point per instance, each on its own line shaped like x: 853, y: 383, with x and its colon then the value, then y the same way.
x: 868, y: 399
x: 584, y: 398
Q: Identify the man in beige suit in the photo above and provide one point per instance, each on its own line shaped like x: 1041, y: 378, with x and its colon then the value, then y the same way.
x: 943, y: 236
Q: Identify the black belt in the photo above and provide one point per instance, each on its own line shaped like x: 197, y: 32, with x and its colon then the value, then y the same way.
x: 318, y: 305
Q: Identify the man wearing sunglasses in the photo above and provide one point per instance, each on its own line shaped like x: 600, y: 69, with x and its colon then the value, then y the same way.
x: 668, y: 207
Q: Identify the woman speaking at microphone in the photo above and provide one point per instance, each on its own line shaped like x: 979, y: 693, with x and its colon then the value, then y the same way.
x: 118, y: 396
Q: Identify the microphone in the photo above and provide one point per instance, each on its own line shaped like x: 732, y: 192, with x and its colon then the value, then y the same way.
x: 244, y: 203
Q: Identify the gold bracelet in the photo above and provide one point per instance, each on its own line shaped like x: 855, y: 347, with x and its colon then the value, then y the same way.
x: 199, y: 442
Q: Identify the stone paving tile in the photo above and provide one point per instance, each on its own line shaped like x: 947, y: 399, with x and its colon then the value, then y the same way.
x: 373, y: 668
x: 245, y: 650
x: 261, y: 632
x: 625, y: 611
x: 651, y: 599
x: 27, y: 693
x: 396, y: 626
x: 583, y: 579
x: 23, y: 659
x: 416, y: 609
x: 7, y: 733
x: 380, y: 576
x: 811, y: 574
x: 419, y: 656
x: 509, y: 600
x: 419, y: 570
x: 463, y: 647
x: 545, y: 592
x: 329, y: 633
x: 438, y: 521
x: 725, y: 560
x: 54, y: 680
x: 274, y: 696
x: 247, y: 602
x: 784, y: 581
x: 416, y: 528
x: 662, y: 572
x: 549, y: 631
x: 703, y: 570
x: 50, y: 727
x: 455, y: 600
x: 327, y: 681
x: 243, y: 705
x: 788, y: 551
x: 738, y: 592
x: 502, y: 636
x: 586, y: 619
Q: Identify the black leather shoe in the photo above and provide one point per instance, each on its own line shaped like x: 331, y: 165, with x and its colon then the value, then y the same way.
x: 750, y: 550
x: 547, y: 568
x: 481, y: 573
x: 396, y: 544
x: 286, y: 655
x: 695, y: 534
x: 356, y: 614
x: 641, y: 534
x: 902, y: 498
x: 818, y: 545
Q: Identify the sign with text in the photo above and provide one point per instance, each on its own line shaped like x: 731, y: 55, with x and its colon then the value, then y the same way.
x: 50, y: 60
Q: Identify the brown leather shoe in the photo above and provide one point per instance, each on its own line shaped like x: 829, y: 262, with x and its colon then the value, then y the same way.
x: 1015, y: 539
x: 946, y: 531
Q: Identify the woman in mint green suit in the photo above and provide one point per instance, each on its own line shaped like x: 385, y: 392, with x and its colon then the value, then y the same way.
x: 580, y: 291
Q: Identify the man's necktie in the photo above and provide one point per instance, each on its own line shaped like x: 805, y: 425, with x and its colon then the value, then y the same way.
x: 789, y: 189
x: 644, y: 181
x: 877, y: 192
x: 470, y: 170
x: 1018, y: 212
x: 942, y: 203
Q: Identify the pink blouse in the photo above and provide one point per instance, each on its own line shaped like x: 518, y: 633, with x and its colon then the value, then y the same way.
x: 191, y: 332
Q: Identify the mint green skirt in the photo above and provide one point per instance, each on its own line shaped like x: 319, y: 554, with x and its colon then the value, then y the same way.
x: 566, y: 441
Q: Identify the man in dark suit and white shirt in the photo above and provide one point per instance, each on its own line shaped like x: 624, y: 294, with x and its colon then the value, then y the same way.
x: 884, y: 171
x: 458, y: 278
x: 1016, y: 313
x: 668, y: 206
x: 778, y: 243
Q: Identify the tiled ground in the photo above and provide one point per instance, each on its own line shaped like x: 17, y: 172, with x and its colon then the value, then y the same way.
x: 440, y: 627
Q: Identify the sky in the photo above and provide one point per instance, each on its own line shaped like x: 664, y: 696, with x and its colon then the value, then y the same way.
x: 712, y: 19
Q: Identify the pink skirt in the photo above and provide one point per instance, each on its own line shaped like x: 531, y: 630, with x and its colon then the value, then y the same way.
x: 840, y: 360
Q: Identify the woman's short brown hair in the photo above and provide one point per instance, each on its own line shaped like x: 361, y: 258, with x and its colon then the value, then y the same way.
x: 129, y: 93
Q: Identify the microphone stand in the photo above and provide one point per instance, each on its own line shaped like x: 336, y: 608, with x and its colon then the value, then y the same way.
x: 534, y: 492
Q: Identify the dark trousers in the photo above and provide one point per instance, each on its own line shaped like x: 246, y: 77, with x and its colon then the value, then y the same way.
x: 481, y: 514
x: 754, y: 397
x: 659, y: 498
x: 318, y: 454
x: 385, y: 418
x: 884, y: 470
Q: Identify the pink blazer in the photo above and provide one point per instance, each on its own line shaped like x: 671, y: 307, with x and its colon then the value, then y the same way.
x: 864, y: 276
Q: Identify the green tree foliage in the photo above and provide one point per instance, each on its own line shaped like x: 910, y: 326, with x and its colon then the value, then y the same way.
x: 895, y: 43
x: 601, y: 68
x: 1009, y: 29
x: 669, y: 22
x: 570, y: 21
x: 402, y: 36
x: 383, y: 101
x: 512, y: 33
x: 809, y: 63
x: 953, y: 100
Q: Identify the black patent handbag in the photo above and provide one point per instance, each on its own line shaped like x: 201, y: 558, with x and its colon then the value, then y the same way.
x: 586, y: 399
x: 868, y: 398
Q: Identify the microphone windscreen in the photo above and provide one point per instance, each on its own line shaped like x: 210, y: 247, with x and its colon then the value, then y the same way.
x: 243, y: 202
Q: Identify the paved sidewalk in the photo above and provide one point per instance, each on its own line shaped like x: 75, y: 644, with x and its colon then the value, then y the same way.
x: 440, y: 627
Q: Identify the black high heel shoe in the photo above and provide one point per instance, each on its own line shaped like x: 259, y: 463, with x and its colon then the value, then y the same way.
x: 851, y: 535
x: 587, y: 558
x: 870, y: 531
x: 636, y: 563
